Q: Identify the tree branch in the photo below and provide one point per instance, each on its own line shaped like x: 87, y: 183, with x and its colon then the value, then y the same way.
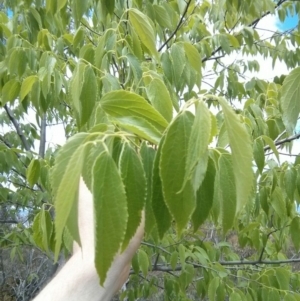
x: 8, y: 222
x: 279, y: 142
x: 177, y: 27
x: 252, y: 24
x: 17, y: 127
x: 43, y: 137
x: 166, y: 268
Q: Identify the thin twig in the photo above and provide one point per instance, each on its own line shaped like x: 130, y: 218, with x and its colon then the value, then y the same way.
x: 43, y: 137
x: 279, y: 142
x: 177, y: 27
x: 14, y: 121
x: 252, y: 24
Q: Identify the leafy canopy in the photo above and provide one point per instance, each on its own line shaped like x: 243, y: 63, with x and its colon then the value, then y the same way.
x: 158, y: 119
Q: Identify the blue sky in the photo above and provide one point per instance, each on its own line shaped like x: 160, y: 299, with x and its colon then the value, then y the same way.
x: 289, y: 23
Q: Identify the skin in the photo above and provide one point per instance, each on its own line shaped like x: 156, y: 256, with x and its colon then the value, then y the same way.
x: 78, y: 279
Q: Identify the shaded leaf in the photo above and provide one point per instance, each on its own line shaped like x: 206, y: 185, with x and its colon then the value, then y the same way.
x: 205, y: 196
x: 228, y: 191
x: 110, y: 212
x: 181, y: 202
x: 295, y: 230
x: 134, y: 180
x: 160, y: 210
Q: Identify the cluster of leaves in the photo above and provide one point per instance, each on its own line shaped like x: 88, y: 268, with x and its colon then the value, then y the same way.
x: 127, y: 81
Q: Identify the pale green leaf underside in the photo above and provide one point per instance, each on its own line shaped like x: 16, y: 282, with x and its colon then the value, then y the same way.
x: 127, y: 104
x: 144, y: 30
x: 290, y: 96
x: 241, y: 148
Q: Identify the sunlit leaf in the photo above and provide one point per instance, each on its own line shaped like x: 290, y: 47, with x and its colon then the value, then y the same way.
x: 290, y: 99
x: 199, y: 140
x: 127, y: 104
x: 241, y: 148
x: 144, y: 30
x: 27, y: 85
x: 33, y: 171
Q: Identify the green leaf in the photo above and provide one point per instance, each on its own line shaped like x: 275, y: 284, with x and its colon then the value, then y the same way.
x: 193, y: 56
x: 228, y: 191
x: 199, y: 140
x: 278, y: 202
x: 143, y: 28
x: 62, y: 174
x: 37, y: 231
x: 160, y: 210
x: 271, y: 144
x: 66, y: 199
x: 295, y: 230
x: 88, y: 94
x: 47, y: 228
x: 205, y: 196
x: 259, y: 154
x: 173, y: 260
x: 141, y: 127
x: 76, y: 86
x: 148, y: 155
x: 212, y: 288
x: 110, y: 5
x: 290, y: 178
x: 110, y: 212
x: 134, y: 180
x: 283, y: 278
x: 79, y: 7
x: 162, y: 16
x: 234, y: 296
x: 10, y: 91
x: 33, y: 172
x: 126, y: 104
x: 160, y: 98
x: 143, y: 262
x: 60, y: 4
x: 241, y: 149
x: 27, y: 85
x: 178, y: 60
x: 290, y: 96
x: 172, y: 162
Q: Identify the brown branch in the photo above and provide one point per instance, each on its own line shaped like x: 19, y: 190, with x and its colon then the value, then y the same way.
x: 166, y: 268
x: 43, y: 137
x: 8, y: 222
x: 17, y: 127
x: 279, y: 142
x: 177, y: 27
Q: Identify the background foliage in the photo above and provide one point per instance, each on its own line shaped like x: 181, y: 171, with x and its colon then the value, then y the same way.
x: 159, y: 116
